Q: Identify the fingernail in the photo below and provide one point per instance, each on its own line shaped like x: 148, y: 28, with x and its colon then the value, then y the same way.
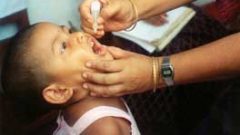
x: 85, y: 86
x: 84, y: 75
x: 88, y: 64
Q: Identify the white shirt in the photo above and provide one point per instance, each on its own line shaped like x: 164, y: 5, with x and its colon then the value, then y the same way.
x: 93, y: 115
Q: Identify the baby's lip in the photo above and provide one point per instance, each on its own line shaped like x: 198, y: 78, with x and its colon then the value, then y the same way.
x: 96, y: 46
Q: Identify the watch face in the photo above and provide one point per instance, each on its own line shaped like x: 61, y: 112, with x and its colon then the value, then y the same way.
x: 167, y: 72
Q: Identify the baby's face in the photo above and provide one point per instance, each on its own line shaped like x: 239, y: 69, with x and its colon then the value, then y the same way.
x: 63, y: 54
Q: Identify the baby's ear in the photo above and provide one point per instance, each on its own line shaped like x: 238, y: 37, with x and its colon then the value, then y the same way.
x: 56, y: 94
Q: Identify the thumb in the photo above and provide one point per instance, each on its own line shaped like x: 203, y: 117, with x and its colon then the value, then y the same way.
x: 118, y: 53
x: 109, y: 10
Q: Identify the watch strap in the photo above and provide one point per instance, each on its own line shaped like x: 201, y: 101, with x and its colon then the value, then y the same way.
x: 166, y: 65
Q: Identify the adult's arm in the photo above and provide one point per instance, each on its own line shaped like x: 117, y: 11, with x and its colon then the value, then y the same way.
x: 216, y: 60
x: 120, y: 14
x: 148, y: 8
x: 132, y: 73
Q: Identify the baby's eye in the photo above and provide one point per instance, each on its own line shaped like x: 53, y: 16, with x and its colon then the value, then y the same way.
x: 71, y: 31
x: 63, y: 47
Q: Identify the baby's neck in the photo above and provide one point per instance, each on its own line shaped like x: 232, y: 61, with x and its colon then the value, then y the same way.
x: 74, y: 111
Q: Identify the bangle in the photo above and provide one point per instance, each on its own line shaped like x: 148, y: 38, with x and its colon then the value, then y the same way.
x: 135, y: 10
x: 155, y: 73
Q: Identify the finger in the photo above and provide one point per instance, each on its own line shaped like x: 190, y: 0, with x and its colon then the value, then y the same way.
x: 86, y: 23
x: 109, y: 9
x: 89, y: 26
x: 100, y: 20
x: 100, y: 28
x: 105, y: 65
x: 165, y: 14
x: 164, y: 18
x: 98, y: 34
x: 104, y: 1
x: 102, y: 78
x: 104, y: 91
x: 85, y: 12
x: 114, y: 26
x: 118, y: 53
x: 90, y: 31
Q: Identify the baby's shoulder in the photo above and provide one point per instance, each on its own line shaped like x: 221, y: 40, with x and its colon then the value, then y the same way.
x: 109, y: 126
x: 111, y: 117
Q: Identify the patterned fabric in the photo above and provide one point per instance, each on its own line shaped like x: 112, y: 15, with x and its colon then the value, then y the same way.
x: 228, y: 9
x: 178, y: 110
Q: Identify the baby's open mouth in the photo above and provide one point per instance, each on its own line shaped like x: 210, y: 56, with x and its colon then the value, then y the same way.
x: 97, y: 48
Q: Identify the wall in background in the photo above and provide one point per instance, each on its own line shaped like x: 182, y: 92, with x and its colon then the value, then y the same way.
x: 8, y: 7
x: 56, y: 11
x: 203, y: 2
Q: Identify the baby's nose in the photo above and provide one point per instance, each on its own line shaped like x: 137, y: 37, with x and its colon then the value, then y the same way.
x: 77, y: 38
x: 80, y: 37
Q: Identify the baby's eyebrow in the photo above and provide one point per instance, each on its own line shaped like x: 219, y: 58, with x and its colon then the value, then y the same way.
x: 63, y: 27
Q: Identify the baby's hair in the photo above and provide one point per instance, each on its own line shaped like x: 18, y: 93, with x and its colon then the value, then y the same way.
x: 22, y: 77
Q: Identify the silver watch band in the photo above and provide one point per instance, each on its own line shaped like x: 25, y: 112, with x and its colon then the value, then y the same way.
x: 167, y: 71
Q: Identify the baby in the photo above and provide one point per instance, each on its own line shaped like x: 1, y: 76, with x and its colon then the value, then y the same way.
x: 44, y: 64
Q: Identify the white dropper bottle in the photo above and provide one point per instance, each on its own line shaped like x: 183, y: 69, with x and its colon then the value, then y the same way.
x: 95, y: 11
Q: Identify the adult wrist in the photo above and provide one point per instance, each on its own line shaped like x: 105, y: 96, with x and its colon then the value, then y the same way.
x: 141, y: 11
x: 135, y: 15
x: 157, y: 79
x: 145, y: 8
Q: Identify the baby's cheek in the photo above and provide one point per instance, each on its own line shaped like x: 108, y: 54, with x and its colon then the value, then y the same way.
x: 108, y: 56
x: 83, y: 93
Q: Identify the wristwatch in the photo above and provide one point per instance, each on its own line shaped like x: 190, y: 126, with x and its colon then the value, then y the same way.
x: 167, y: 71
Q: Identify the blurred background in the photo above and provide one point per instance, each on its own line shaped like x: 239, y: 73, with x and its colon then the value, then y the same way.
x: 15, y: 14
x: 171, y: 110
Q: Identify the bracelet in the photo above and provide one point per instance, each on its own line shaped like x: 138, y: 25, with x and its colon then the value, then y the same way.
x: 135, y: 10
x: 136, y: 15
x: 155, y: 73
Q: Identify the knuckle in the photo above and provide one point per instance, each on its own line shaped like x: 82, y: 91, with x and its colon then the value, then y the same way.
x: 106, y: 66
x: 90, y: 76
x: 105, y: 80
x: 108, y: 91
x: 118, y: 90
x: 95, y: 89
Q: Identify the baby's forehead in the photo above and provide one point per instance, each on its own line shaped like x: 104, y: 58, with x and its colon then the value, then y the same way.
x: 44, y: 31
x: 47, y: 27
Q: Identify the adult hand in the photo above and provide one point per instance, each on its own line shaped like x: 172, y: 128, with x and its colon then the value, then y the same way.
x: 158, y: 20
x: 115, y: 15
x: 128, y: 73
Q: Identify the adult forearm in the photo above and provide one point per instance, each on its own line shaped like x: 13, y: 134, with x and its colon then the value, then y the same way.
x: 215, y: 60
x: 148, y: 8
